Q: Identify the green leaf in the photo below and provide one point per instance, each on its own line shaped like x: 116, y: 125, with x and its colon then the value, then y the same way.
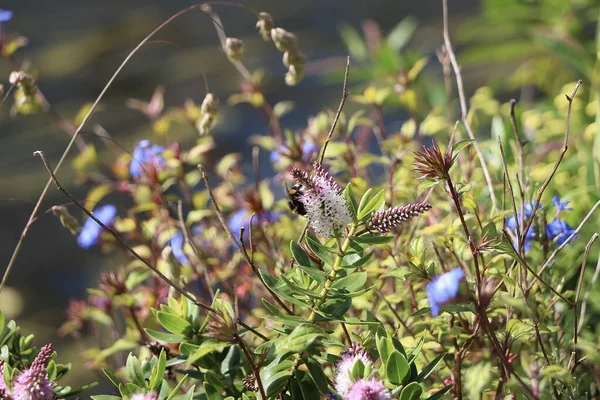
x: 396, y: 368
x: 415, y: 352
x: 299, y: 254
x: 177, y: 387
x: 111, y: 377
x: 425, y: 184
x: 173, y: 323
x: 368, y: 239
x: 165, y: 337
x: 105, y: 397
x: 352, y: 282
x: 211, y: 392
x: 459, y: 146
x: 356, y: 46
x: 317, y: 374
x: 321, y: 251
x: 430, y: 367
x: 307, y: 385
x: 351, y: 201
x: 158, y: 371
x: 300, y: 339
x: 402, y: 33
x: 440, y: 393
x: 134, y: 371
x: 412, y: 391
x: 372, y: 205
x: 276, y: 376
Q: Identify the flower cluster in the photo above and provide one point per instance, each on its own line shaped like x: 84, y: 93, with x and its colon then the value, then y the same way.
x: 147, y: 160
x: 31, y: 383
x: 443, y: 289
x: 386, y: 220
x: 305, y: 153
x: 325, y: 207
x: 359, y: 389
x: 91, y: 231
x: 558, y: 229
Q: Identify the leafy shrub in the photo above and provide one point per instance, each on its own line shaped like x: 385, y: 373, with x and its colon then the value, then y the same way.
x: 449, y: 264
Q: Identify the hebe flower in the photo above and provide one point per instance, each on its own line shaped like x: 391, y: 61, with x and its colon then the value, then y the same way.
x: 386, y: 220
x: 91, y: 231
x: 147, y: 158
x: 145, y: 396
x: 355, y: 353
x: 371, y: 389
x: 177, y: 242
x: 443, y: 289
x: 326, y: 209
x: 33, y: 383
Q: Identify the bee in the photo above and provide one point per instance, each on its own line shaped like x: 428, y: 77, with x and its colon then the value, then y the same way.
x: 294, y: 193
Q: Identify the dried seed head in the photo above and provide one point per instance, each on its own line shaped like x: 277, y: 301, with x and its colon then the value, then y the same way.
x: 432, y: 163
x: 249, y: 382
x: 284, y: 40
x: 386, y: 220
x: 264, y: 25
x: 234, y: 48
x: 66, y: 219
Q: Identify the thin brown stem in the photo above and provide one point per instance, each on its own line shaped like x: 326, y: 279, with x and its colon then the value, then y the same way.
x: 576, y: 301
x: 463, y: 104
x: 118, y: 238
x: 255, y: 370
x: 237, y: 242
x: 556, y: 165
x: 76, y: 134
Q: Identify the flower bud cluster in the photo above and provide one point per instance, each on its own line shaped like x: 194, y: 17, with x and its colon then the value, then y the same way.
x: 208, y: 110
x: 287, y: 44
x: 386, y: 220
x: 234, y: 48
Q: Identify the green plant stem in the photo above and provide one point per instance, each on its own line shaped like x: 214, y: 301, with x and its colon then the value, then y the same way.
x: 332, y: 275
x: 337, y: 266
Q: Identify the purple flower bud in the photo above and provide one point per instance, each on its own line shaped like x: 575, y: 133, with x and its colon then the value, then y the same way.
x: 386, y: 220
x: 177, y: 243
x: 443, y: 289
x: 91, y: 231
x: 33, y: 383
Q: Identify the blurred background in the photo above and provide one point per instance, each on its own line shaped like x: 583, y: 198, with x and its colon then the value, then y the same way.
x: 76, y: 46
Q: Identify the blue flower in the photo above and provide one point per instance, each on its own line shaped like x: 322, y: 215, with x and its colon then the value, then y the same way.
x: 177, y: 242
x: 559, y: 230
x: 443, y: 289
x: 5, y: 15
x: 511, y: 223
x: 308, y: 150
x: 91, y: 231
x: 241, y: 218
x: 146, y: 154
x: 561, y: 205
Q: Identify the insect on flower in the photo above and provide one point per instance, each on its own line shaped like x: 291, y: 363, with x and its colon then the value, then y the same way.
x: 294, y: 194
